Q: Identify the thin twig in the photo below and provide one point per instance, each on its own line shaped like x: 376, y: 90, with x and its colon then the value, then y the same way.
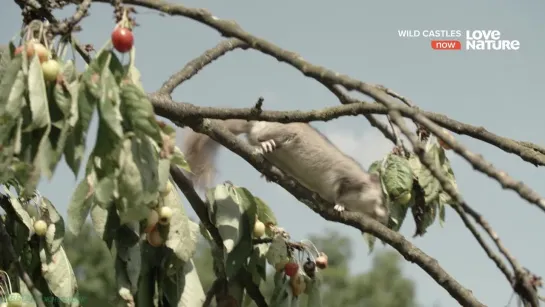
x: 195, y: 65
x: 68, y: 24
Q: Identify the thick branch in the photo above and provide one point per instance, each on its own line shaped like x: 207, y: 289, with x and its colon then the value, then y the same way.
x: 193, y: 67
x: 359, y: 221
x: 321, y: 74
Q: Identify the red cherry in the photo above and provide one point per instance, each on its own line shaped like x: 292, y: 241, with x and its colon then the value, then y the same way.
x: 122, y: 39
x: 291, y: 269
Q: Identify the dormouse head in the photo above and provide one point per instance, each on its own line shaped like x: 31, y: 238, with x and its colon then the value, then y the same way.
x: 381, y: 210
x: 365, y: 195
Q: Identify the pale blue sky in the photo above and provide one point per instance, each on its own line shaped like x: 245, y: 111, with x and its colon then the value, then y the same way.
x: 498, y: 90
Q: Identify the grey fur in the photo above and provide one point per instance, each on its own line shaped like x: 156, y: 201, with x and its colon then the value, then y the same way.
x: 302, y: 152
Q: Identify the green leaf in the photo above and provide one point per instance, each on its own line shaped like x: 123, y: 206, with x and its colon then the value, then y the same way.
x: 148, y: 278
x: 131, y: 206
x: 181, y: 239
x: 109, y: 103
x: 130, y: 257
x: 146, y: 158
x: 258, y: 262
x: 172, y: 287
x: 442, y: 214
x: 63, y: 99
x: 37, y: 95
x: 106, y: 223
x: 15, y: 100
x: 8, y: 78
x: 134, y: 75
x: 55, y: 230
x: 22, y: 215
x: 264, y: 212
x: 425, y: 178
x: 397, y: 176
x: 398, y: 212
x: 58, y: 273
x: 314, y: 293
x: 178, y: 159
x: 76, y: 141
x: 375, y: 167
x: 370, y: 239
x: 234, y: 217
x: 138, y: 111
x: 423, y: 213
x: 80, y: 203
x: 105, y: 191
x: 193, y: 293
x: 116, y: 68
x: 5, y: 59
x: 69, y: 71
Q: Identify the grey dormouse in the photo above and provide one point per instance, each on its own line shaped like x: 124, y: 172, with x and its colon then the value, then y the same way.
x: 302, y: 152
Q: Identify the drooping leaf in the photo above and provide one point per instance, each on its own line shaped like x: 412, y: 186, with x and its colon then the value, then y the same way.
x: 370, y: 239
x: 314, y: 292
x: 131, y: 206
x: 110, y: 102
x: 22, y: 215
x: 397, y: 176
x: 15, y: 100
x: 8, y: 79
x: 55, y: 231
x: 80, y: 203
x: 58, y: 273
x: 375, y: 167
x: 105, y: 191
x: 146, y: 159
x: 257, y: 263
x: 138, y: 111
x: 5, y: 59
x: 148, y: 278
x: 106, y: 223
x: 37, y: 95
x: 178, y: 159
x: 425, y: 178
x: 181, y: 239
x: 69, y: 71
x: 129, y: 254
x: 76, y: 141
x: 234, y: 214
x: 264, y: 212
x: 423, y: 213
x: 193, y: 293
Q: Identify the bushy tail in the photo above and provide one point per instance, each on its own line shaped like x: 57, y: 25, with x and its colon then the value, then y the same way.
x: 200, y: 151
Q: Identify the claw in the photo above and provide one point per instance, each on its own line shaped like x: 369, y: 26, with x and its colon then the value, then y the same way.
x: 268, y: 146
x: 338, y: 208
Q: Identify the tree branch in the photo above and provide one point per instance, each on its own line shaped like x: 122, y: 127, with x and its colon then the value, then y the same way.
x: 193, y: 67
x: 231, y: 29
x: 67, y: 25
x: 522, y: 285
x: 324, y: 209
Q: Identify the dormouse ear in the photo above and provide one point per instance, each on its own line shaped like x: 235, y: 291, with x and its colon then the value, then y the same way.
x: 375, y: 178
